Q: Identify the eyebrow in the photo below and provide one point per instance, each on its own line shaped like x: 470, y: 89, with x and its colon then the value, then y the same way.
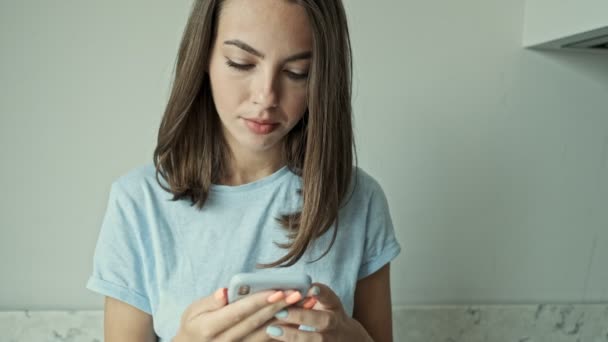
x: 251, y: 50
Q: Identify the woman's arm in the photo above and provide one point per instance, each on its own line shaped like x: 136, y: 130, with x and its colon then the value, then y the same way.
x: 125, y: 323
x: 373, y: 305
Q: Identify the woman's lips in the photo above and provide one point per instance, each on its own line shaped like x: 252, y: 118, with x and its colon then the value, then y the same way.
x: 261, y: 126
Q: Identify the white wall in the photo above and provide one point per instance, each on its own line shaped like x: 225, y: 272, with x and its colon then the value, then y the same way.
x: 494, y: 158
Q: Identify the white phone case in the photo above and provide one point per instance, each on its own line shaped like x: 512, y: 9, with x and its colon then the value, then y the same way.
x: 244, y: 284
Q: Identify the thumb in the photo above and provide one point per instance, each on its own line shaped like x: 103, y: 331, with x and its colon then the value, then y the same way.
x: 326, y: 298
x: 213, y: 302
x: 220, y: 297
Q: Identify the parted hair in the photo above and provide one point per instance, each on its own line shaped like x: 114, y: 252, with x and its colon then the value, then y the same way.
x: 192, y: 154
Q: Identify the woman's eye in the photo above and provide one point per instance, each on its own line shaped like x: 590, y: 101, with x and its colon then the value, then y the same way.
x: 243, y: 67
x: 238, y: 66
x: 296, y: 76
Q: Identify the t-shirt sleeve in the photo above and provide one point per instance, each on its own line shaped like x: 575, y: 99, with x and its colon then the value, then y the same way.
x: 118, y: 267
x: 381, y: 246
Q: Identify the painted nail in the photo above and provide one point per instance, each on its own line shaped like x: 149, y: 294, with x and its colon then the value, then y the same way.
x: 307, y: 328
x: 293, y: 298
x: 275, y: 297
x: 310, y: 303
x: 219, y: 294
x: 281, y: 314
x: 273, y: 330
x: 315, y: 290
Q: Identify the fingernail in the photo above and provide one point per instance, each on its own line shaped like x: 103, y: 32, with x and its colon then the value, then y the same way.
x: 219, y: 294
x: 310, y: 303
x: 276, y: 297
x: 307, y: 328
x: 281, y: 314
x: 293, y: 298
x: 315, y: 290
x: 273, y: 330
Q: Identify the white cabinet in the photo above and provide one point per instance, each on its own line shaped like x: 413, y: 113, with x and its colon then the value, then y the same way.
x: 566, y: 24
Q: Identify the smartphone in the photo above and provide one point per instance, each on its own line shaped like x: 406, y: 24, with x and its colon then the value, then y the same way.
x: 244, y: 284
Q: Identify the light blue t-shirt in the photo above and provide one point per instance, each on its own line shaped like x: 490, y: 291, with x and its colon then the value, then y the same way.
x: 160, y: 256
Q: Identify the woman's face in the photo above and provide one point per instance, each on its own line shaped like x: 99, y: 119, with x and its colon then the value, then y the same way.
x: 258, y: 71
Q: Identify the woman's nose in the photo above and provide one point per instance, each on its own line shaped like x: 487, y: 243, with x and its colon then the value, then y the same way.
x: 266, y: 93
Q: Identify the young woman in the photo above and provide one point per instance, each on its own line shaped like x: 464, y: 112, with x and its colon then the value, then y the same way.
x: 253, y: 171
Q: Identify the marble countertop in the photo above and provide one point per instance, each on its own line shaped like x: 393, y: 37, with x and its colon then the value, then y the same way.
x: 493, y: 323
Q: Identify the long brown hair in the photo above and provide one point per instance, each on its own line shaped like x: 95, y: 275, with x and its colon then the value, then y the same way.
x: 191, y: 153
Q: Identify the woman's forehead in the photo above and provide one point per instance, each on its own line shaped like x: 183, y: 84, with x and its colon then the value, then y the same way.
x: 266, y: 24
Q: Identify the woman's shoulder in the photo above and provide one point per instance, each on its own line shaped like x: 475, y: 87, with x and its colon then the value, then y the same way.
x: 364, y: 182
x: 364, y: 187
x: 139, y: 182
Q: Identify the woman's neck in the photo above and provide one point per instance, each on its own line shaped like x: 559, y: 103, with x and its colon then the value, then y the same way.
x: 249, y: 168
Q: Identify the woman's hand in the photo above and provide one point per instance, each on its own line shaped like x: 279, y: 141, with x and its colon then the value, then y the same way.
x: 213, y: 319
x: 327, y: 316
